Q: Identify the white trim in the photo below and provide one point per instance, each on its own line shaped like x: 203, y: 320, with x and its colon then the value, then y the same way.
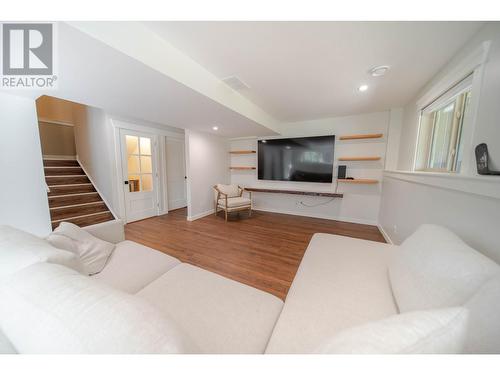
x: 73, y: 195
x: 77, y: 217
x: 487, y: 186
x: 120, y: 124
x: 460, y: 71
x: 55, y: 122
x: 75, y: 205
x: 199, y: 216
x: 86, y: 183
x: 387, y: 238
x: 337, y: 218
x: 59, y: 157
x: 96, y: 188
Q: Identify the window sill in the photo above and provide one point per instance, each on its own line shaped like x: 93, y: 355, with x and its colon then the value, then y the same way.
x: 487, y: 186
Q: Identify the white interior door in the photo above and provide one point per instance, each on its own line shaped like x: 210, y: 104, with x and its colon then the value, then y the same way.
x: 140, y: 182
x: 176, y: 173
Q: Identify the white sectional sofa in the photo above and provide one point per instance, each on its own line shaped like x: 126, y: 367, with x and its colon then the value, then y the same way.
x: 349, y: 296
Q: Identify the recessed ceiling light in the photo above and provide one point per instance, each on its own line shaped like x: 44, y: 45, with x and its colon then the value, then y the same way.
x: 215, y: 128
x: 379, y: 70
x: 363, y: 88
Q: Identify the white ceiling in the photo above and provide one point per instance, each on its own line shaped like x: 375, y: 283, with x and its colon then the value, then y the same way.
x: 94, y: 74
x: 308, y: 70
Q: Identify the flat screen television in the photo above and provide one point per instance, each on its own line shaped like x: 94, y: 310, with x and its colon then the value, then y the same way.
x: 308, y: 159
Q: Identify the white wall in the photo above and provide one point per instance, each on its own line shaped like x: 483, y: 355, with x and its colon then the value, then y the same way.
x: 23, y: 198
x: 94, y: 140
x: 360, y: 203
x: 472, y: 214
x: 207, y: 165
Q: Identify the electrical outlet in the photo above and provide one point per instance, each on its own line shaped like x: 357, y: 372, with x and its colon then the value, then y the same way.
x: 395, y: 229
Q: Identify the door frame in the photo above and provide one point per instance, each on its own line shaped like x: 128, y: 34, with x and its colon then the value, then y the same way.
x: 117, y: 125
x: 182, y: 140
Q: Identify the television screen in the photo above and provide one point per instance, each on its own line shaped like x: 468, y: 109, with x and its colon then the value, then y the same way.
x: 296, y: 159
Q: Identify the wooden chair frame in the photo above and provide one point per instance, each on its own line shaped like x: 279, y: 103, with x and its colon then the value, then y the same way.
x: 227, y: 209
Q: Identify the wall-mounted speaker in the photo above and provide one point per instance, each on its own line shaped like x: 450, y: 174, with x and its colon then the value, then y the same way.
x: 341, y: 171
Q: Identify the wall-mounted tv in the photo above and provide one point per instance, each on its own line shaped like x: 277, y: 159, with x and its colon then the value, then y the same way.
x: 308, y: 159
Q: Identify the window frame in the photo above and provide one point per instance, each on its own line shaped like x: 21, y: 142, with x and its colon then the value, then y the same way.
x: 450, y: 96
x: 469, y: 64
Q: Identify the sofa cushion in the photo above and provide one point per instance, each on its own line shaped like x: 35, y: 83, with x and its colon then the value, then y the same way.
x: 93, y: 252
x: 132, y: 266
x: 48, y: 308
x: 220, y: 315
x: 435, y: 269
x: 230, y: 190
x: 19, y: 249
x: 419, y: 332
x: 235, y: 202
x: 5, y: 345
x: 484, y: 319
x: 341, y: 282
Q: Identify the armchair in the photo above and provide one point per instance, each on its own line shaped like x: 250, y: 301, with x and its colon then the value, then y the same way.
x: 229, y: 198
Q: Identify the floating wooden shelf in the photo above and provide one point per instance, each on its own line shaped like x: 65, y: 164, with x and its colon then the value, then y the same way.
x: 359, y: 158
x: 360, y: 136
x: 242, y: 168
x: 296, y: 192
x: 358, y: 181
x: 241, y: 152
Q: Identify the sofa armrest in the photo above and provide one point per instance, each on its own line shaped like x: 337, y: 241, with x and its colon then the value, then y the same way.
x: 111, y: 231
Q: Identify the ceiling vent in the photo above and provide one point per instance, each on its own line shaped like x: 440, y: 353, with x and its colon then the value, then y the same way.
x: 235, y: 83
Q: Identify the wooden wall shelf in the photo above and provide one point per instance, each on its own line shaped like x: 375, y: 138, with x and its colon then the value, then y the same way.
x: 358, y: 181
x: 242, y: 168
x: 241, y: 152
x: 359, y: 158
x: 360, y: 136
x: 296, y: 192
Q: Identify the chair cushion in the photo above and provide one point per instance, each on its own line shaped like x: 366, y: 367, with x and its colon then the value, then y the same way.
x: 235, y: 202
x: 20, y: 249
x: 341, y: 282
x: 132, y: 266
x: 220, y: 315
x: 418, y: 332
x: 48, y: 308
x: 230, y: 190
x: 435, y: 269
x: 93, y: 252
x: 484, y: 322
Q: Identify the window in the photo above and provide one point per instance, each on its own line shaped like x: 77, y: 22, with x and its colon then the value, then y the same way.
x: 440, y: 132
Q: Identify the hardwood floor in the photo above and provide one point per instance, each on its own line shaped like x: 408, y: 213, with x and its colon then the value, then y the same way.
x: 263, y: 250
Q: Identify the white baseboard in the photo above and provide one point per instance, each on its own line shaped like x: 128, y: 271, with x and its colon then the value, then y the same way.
x: 295, y: 213
x: 387, y: 238
x: 199, y: 216
x: 59, y: 157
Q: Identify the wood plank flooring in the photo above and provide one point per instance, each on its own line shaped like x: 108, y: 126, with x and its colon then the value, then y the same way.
x: 263, y: 250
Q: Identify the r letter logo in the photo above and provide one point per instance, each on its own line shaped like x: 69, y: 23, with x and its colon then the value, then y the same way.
x: 28, y: 55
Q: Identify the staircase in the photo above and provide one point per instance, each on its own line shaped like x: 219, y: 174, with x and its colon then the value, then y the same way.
x: 72, y: 197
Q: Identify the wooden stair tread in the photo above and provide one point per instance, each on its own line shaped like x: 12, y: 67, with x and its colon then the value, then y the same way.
x: 69, y: 200
x: 71, y: 189
x: 87, y: 220
x: 60, y: 163
x: 73, y: 211
x: 66, y: 180
x: 61, y: 171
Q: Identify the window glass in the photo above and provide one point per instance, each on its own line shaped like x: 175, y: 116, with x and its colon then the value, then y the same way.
x: 440, y: 133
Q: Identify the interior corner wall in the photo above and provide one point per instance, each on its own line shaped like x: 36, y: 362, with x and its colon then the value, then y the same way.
x: 23, y: 201
x: 360, y: 203
x: 475, y: 218
x: 94, y: 140
x: 206, y: 165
